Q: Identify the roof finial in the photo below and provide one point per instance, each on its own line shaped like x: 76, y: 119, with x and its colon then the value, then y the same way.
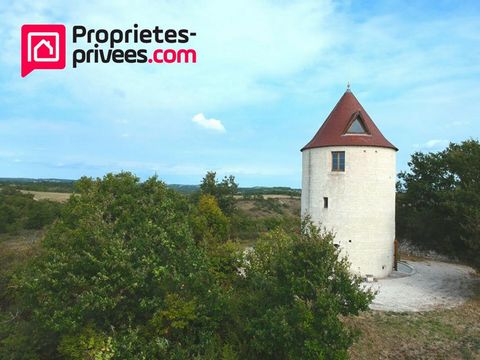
x: 348, y: 86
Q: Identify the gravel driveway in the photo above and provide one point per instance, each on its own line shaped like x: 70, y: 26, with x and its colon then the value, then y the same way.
x: 424, y: 285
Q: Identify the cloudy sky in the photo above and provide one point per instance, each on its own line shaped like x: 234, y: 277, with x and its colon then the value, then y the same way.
x: 267, y: 75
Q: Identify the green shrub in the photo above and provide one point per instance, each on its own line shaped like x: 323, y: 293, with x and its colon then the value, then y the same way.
x: 292, y: 296
x: 210, y: 225
x: 20, y: 211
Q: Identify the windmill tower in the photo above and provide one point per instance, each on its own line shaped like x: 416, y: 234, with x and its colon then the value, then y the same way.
x: 348, y: 186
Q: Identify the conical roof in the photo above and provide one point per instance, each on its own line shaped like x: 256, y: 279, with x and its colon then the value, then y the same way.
x: 348, y: 125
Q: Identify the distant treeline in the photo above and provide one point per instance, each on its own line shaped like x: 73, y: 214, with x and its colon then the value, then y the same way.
x: 67, y: 186
x: 50, y: 185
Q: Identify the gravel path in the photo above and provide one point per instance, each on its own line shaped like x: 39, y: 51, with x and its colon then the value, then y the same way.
x: 424, y: 285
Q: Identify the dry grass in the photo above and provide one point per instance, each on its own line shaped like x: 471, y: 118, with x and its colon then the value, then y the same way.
x: 288, y: 206
x: 272, y: 196
x: 15, y: 250
x: 440, y: 334
x: 52, y: 196
x: 20, y: 241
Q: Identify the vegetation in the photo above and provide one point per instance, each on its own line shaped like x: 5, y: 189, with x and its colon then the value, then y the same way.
x: 253, y: 218
x: 210, y: 225
x: 224, y: 191
x: 50, y: 185
x: 431, y: 335
x: 290, y: 301
x: 276, y: 190
x: 67, y: 186
x: 19, y: 211
x: 132, y: 270
x: 135, y: 270
x: 438, y: 203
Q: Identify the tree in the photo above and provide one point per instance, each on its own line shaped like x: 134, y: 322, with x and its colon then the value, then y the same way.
x: 210, y: 225
x: 292, y: 296
x: 121, y: 268
x: 439, y: 201
x: 223, y: 191
x: 121, y: 276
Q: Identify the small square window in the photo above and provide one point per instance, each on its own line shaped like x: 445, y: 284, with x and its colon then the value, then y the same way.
x: 325, y: 202
x: 338, y: 160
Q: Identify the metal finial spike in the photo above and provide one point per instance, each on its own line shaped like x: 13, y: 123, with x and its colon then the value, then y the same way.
x: 348, y: 86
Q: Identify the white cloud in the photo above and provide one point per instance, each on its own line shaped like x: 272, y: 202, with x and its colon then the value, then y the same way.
x: 433, y: 144
x: 212, y: 124
x: 436, y: 142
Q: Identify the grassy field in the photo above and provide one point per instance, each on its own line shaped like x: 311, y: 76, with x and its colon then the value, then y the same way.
x: 52, y: 196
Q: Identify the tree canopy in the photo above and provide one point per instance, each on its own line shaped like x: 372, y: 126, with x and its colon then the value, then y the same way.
x: 439, y: 201
x: 223, y: 191
x: 122, y: 275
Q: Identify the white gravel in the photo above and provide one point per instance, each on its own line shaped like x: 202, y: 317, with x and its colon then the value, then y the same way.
x: 424, y: 285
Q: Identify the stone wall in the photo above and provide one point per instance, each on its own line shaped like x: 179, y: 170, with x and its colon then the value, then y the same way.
x: 361, y: 203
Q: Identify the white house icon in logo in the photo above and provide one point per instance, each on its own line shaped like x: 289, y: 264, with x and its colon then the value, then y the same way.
x: 52, y: 48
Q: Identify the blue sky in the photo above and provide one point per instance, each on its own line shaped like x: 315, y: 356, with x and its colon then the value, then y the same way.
x: 268, y: 71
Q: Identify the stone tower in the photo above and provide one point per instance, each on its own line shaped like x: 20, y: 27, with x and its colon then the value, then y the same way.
x: 348, y: 186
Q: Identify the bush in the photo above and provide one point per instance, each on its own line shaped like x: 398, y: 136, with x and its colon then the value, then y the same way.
x: 292, y: 296
x: 20, y: 211
x: 210, y: 225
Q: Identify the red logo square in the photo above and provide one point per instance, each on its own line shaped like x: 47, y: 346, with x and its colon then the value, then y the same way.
x: 43, y: 47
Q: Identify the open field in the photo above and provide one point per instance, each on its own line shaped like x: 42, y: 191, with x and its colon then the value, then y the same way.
x: 272, y: 205
x: 63, y: 197
x: 52, y: 196
x: 272, y: 196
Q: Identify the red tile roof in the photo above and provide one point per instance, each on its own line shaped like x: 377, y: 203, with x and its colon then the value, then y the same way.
x: 333, y: 131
